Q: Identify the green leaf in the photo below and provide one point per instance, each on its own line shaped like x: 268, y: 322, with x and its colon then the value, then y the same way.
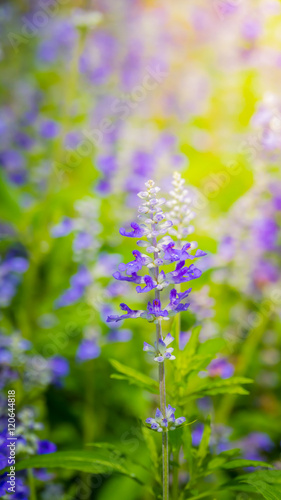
x: 10, y: 208
x: 209, y: 386
x: 235, y: 389
x: 187, y: 448
x: 175, y: 439
x: 153, y: 453
x: 95, y: 462
x: 235, y: 464
x: 203, y: 495
x: 192, y: 344
x: 225, y: 382
x: 212, y: 346
x: 267, y: 483
x: 196, y: 363
x: 230, y: 453
x: 222, y: 458
x: 216, y: 463
x: 134, y: 377
x: 107, y: 446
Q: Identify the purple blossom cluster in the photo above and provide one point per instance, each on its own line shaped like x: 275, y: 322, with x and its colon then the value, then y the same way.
x: 167, y: 423
x: 160, y: 251
x: 160, y: 350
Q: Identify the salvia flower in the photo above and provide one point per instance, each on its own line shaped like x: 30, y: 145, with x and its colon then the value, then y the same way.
x: 159, y: 251
x: 160, y: 350
x: 169, y: 423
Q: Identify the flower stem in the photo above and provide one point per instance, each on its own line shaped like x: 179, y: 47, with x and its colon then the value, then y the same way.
x: 165, y: 458
x: 162, y: 387
x: 175, y: 486
x: 31, y: 484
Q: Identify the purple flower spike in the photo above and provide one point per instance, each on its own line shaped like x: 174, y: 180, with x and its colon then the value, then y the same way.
x: 154, y: 227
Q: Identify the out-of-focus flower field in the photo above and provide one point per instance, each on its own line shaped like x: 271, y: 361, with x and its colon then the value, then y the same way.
x: 97, y: 98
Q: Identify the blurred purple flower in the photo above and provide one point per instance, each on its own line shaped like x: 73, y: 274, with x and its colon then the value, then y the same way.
x: 10, y: 269
x: 119, y: 335
x: 264, y: 273
x: 227, y: 248
x: 266, y: 233
x: 107, y: 164
x: 184, y: 338
x: 82, y: 240
x: 103, y: 187
x: 82, y: 278
x: 251, y: 29
x: 97, y: 60
x: 5, y: 356
x: 255, y: 445
x: 45, y: 447
x: 63, y: 228
x: 14, y: 164
x: 23, y: 140
x: 59, y: 367
x: 197, y: 434
x: 79, y: 283
x: 49, y: 129
x: 73, y: 139
x: 220, y: 368
x: 88, y: 349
